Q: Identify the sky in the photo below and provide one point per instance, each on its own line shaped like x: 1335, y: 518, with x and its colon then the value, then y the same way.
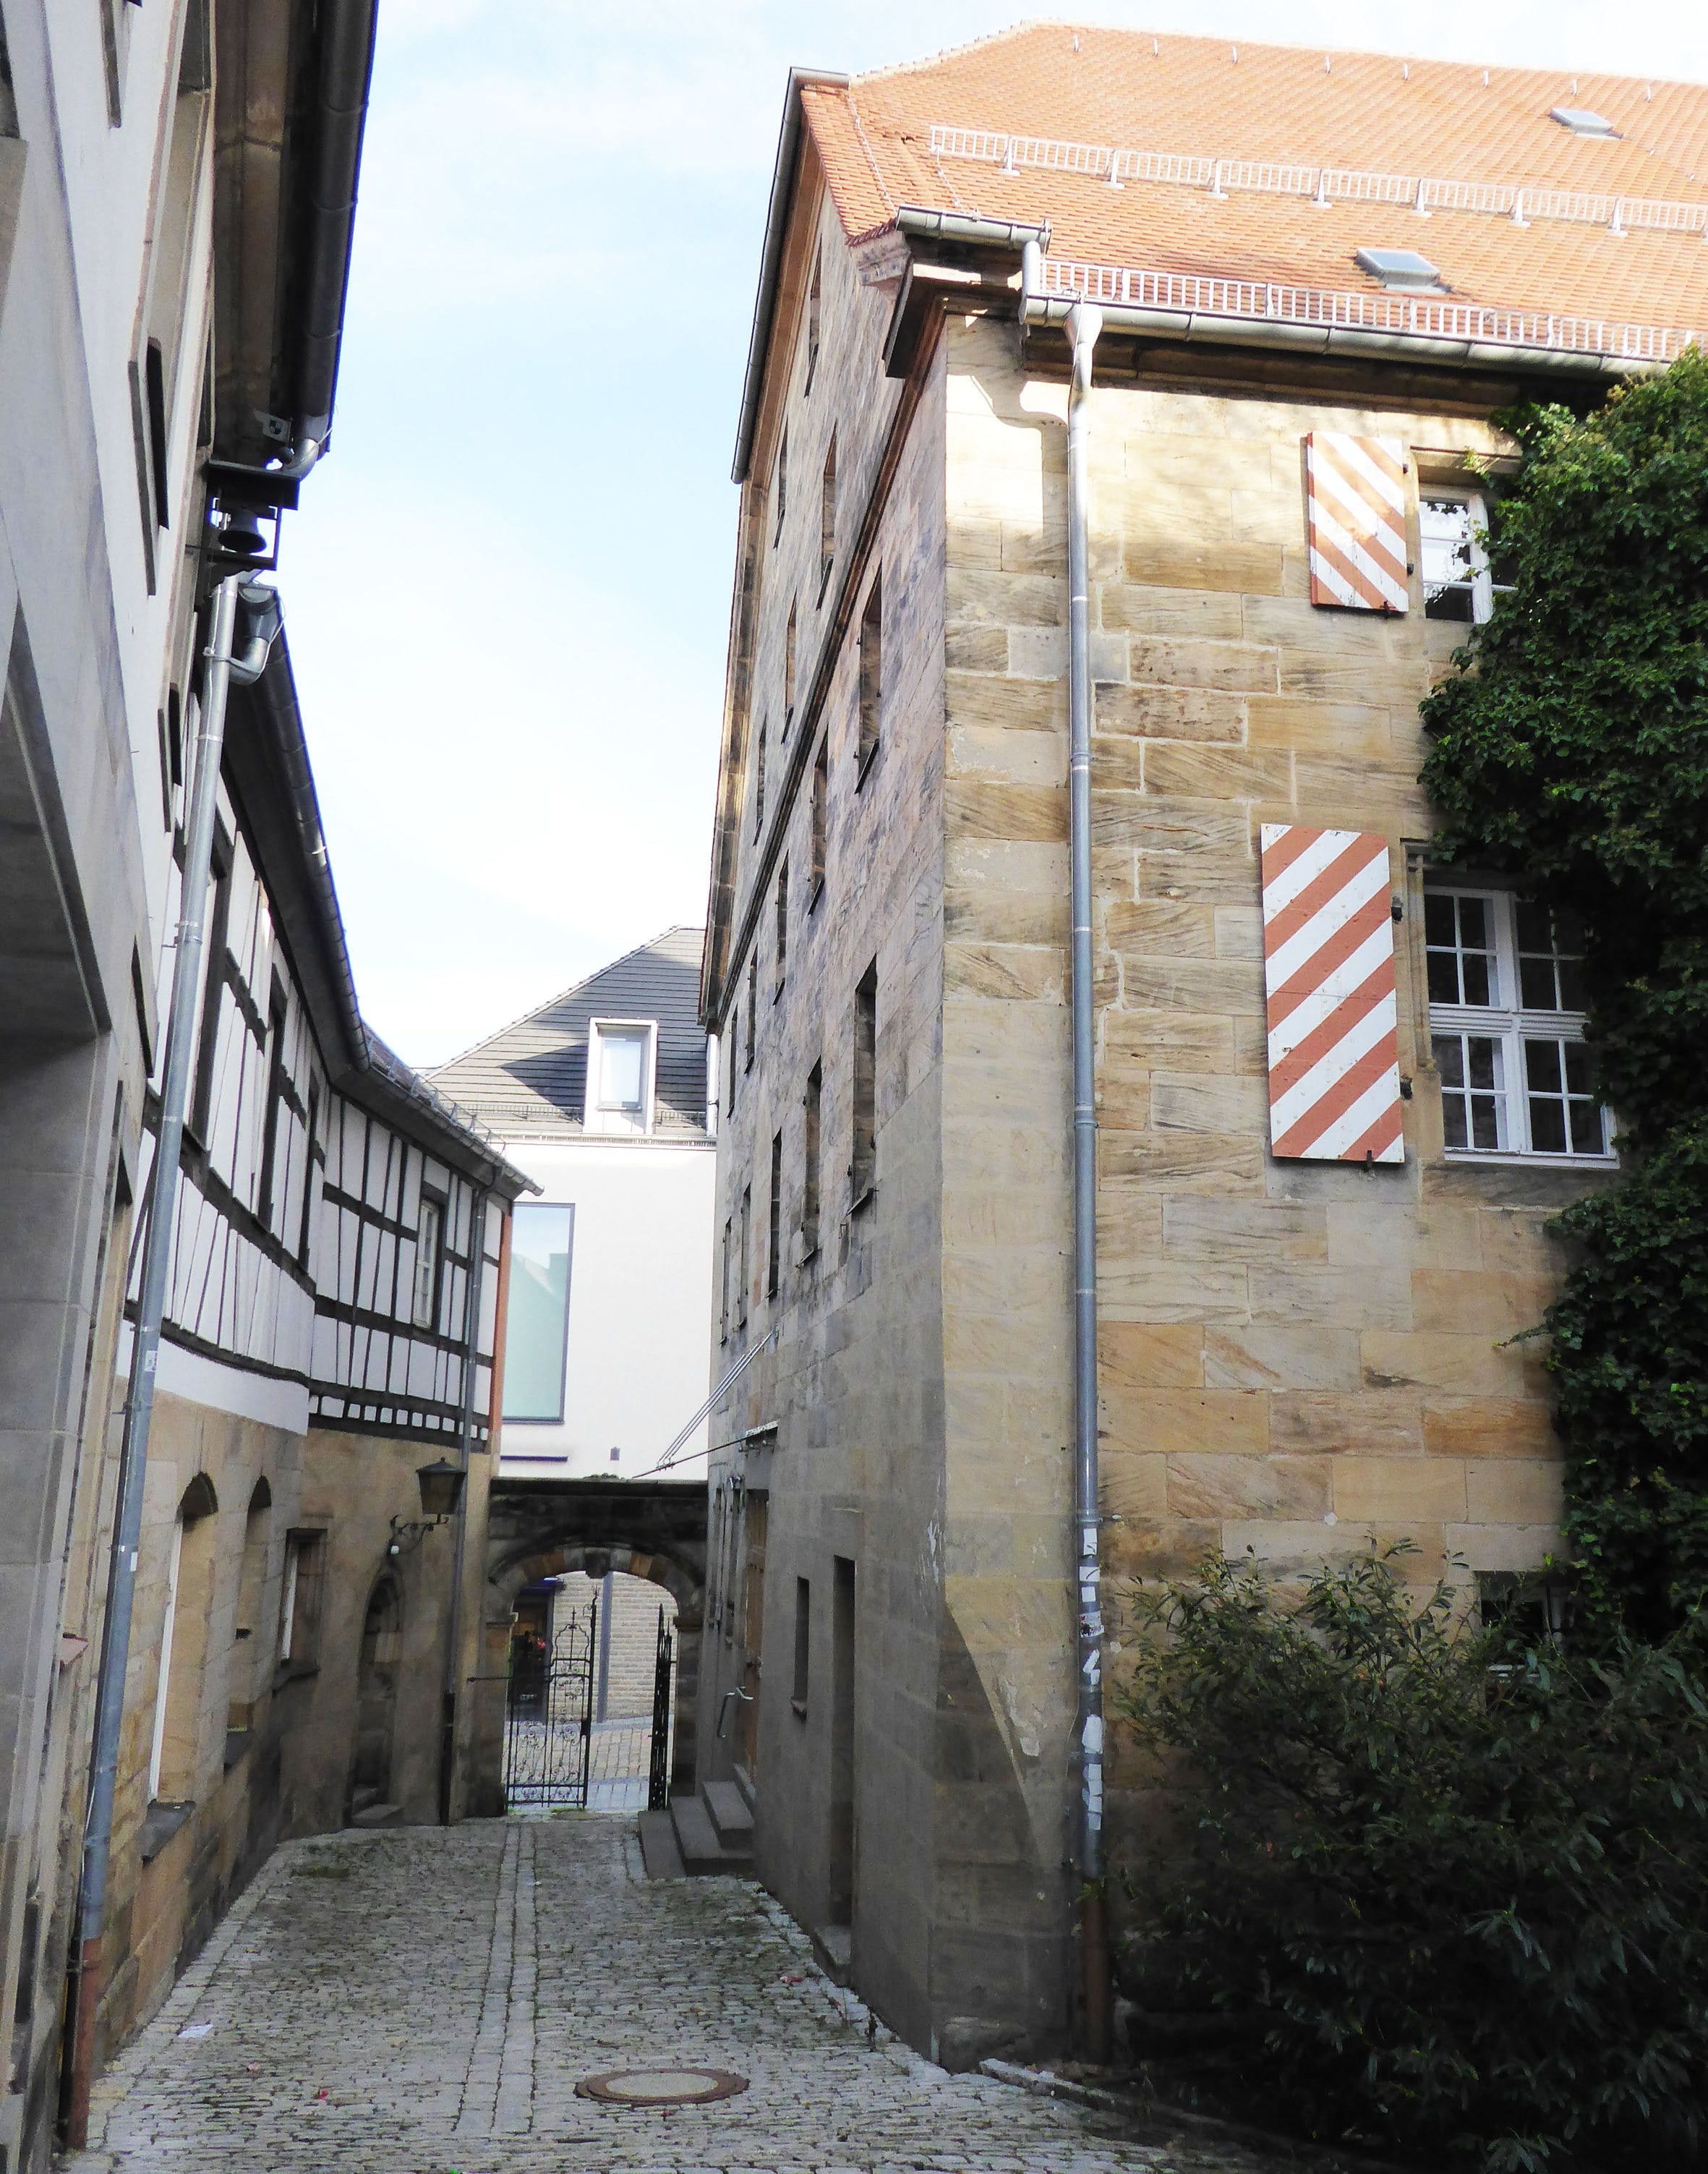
x: 508, y: 589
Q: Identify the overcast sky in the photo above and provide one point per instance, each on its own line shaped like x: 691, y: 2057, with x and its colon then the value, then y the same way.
x: 509, y: 586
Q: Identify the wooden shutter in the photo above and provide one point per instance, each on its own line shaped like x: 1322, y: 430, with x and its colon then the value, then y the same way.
x: 1328, y: 967
x: 1355, y: 521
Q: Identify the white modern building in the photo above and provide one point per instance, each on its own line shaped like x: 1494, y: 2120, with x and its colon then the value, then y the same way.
x: 600, y: 1096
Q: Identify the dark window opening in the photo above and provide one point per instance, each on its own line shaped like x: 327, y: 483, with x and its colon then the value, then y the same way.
x: 809, y: 1148
x: 154, y: 395
x: 862, y: 1169
x: 734, y: 1045
x: 789, y: 667
x: 752, y: 1006
x: 871, y: 673
x: 782, y: 926
x: 827, y: 517
x: 815, y: 295
x: 821, y: 820
x: 759, y: 784
x: 774, y: 1235
x: 744, y: 1258
x: 782, y: 484
x: 803, y: 1636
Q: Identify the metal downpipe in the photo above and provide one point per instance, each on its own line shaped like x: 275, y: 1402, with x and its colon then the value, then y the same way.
x: 1085, y: 323
x: 151, y: 1306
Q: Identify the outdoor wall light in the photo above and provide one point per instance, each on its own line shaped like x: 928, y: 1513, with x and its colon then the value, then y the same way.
x: 441, y: 1490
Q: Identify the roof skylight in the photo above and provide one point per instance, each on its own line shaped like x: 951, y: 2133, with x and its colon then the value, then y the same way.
x: 1581, y: 121
x: 1402, y: 267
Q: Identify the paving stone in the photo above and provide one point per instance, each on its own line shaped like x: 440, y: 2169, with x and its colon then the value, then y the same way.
x: 424, y: 2001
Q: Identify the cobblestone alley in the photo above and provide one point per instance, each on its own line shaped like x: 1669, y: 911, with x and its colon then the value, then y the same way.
x: 423, y: 2000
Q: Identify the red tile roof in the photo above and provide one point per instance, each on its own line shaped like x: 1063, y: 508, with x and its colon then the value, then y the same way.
x: 1377, y: 115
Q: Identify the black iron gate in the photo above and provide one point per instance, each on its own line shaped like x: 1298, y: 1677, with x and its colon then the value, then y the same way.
x: 664, y: 1683
x: 549, y: 1724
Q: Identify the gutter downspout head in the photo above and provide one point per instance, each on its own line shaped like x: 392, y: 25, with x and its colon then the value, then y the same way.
x: 1084, y: 322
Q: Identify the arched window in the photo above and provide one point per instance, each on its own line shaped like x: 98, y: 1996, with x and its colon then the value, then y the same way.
x: 173, y: 1757
x: 252, y: 1657
x: 376, y: 1696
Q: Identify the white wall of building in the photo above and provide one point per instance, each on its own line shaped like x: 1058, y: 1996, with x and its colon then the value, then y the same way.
x: 639, y: 1356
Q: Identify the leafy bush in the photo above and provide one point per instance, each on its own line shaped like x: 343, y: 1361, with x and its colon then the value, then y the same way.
x: 1459, y: 1887
x: 1571, y: 747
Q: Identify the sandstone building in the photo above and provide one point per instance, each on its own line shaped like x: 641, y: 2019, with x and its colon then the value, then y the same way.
x: 1338, y: 1090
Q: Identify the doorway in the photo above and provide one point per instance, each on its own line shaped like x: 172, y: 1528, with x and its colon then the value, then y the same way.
x: 376, y: 1696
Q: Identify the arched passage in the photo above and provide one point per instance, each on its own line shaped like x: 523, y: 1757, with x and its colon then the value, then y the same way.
x: 676, y: 1569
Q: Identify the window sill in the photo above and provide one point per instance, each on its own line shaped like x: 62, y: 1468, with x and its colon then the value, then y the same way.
x: 237, y: 1743
x: 291, y: 1672
x: 799, y: 1708
x: 160, y: 1824
x: 809, y: 1253
x: 865, y: 763
x: 815, y: 895
x: 1520, y: 1159
x: 824, y: 573
x: 777, y: 994
x: 864, y: 1199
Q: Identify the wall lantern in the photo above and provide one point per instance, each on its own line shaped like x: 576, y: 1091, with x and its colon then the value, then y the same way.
x: 441, y: 1490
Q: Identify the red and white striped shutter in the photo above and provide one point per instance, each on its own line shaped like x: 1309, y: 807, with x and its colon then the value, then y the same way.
x: 1328, y: 967
x: 1355, y: 521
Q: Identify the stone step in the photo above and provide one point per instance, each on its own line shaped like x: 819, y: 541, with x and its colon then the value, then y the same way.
x: 697, y: 1839
x: 658, y: 1850
x: 730, y: 1815
x: 834, y: 1946
x: 361, y: 1798
x: 378, y: 1815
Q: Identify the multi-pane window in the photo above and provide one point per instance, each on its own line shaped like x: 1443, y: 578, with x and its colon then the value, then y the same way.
x: 1460, y: 579
x: 1506, y: 1027
x: 620, y: 1068
x: 429, y: 1245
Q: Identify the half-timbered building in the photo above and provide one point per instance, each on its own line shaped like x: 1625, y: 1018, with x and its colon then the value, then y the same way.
x: 1276, y: 300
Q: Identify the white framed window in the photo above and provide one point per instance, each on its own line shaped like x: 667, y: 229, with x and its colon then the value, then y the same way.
x: 1459, y: 577
x: 1506, y: 1028
x: 620, y: 1054
x: 429, y: 1246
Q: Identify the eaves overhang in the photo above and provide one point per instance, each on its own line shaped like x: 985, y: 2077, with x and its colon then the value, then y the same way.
x: 772, y: 256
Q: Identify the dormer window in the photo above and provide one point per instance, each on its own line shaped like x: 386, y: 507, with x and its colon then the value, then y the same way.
x: 1404, y: 269
x: 620, y: 1076
x: 1582, y: 122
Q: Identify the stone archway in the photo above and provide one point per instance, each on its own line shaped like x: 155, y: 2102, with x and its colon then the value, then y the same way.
x: 540, y: 1529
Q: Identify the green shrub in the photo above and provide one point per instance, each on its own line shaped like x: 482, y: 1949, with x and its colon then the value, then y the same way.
x: 1459, y: 1887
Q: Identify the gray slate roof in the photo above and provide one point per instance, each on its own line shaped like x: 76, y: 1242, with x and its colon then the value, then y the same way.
x: 531, y: 1076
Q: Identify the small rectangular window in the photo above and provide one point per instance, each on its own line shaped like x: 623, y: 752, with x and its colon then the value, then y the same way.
x: 723, y: 1304
x: 302, y: 1600
x: 827, y: 517
x: 537, y: 1316
x: 815, y: 296
x: 803, y: 1635
x: 743, y: 1259
x: 780, y: 486
x: 620, y: 1076
x: 773, y: 1208
x: 821, y: 819
x: 809, y: 1152
x: 1506, y: 1027
x: 1460, y: 579
x: 154, y: 396
x: 752, y: 1006
x: 782, y: 927
x: 789, y: 667
x: 430, y: 1251
x: 871, y: 673
x: 277, y: 1077
x: 760, y: 783
x: 862, y: 1171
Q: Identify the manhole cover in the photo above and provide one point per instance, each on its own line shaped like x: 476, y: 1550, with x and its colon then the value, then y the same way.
x: 660, y: 2087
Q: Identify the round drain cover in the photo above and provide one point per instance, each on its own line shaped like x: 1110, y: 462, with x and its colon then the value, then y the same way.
x: 661, y: 2087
